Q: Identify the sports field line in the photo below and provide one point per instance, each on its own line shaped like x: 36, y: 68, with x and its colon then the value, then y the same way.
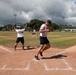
x: 63, y: 52
x: 6, y: 49
x: 66, y: 69
x: 57, y: 68
x: 66, y: 50
x: 35, y: 60
x: 5, y: 68
x: 70, y: 68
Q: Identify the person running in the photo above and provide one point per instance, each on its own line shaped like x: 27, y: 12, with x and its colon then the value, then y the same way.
x: 20, y: 36
x: 43, y: 39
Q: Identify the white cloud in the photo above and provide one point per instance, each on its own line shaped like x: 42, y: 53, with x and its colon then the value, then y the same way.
x: 37, y: 9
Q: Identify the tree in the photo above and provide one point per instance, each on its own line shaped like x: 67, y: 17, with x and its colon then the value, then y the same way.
x: 8, y: 27
x: 35, y: 24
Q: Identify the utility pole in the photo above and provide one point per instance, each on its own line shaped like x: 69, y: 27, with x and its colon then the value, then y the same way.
x: 15, y: 18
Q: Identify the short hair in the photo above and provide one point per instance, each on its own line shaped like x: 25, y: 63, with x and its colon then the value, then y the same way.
x: 49, y: 21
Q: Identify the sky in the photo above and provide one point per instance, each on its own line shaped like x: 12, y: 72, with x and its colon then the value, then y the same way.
x: 23, y: 11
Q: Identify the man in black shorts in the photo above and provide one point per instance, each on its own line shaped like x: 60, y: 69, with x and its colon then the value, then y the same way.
x: 43, y: 38
x: 20, y: 36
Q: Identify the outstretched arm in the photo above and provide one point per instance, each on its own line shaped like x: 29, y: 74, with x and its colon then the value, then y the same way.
x: 25, y: 26
x: 14, y: 27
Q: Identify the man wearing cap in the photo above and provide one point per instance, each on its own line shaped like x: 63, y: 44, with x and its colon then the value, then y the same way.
x: 43, y: 39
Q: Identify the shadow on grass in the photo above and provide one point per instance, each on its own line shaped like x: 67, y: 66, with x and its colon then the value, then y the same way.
x: 59, y: 56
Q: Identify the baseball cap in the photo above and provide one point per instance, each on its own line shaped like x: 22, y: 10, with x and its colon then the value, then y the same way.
x: 49, y: 21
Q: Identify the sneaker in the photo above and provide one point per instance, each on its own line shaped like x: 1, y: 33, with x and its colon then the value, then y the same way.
x: 36, y: 57
x: 23, y: 48
x: 14, y: 48
x: 28, y: 47
x: 41, y: 54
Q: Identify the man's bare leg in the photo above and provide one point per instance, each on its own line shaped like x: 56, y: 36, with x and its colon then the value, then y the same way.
x: 41, y: 47
x: 23, y: 46
x: 15, y: 46
x: 45, y: 48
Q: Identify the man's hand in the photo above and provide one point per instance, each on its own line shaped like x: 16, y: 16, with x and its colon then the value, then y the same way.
x: 14, y: 27
x: 48, y: 30
x: 43, y: 31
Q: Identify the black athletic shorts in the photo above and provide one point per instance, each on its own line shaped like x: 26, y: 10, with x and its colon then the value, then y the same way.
x: 20, y: 39
x: 44, y: 40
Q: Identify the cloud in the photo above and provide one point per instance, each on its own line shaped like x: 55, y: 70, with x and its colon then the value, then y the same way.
x: 59, y: 11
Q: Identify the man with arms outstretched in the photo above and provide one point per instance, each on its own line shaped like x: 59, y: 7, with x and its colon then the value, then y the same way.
x: 20, y: 36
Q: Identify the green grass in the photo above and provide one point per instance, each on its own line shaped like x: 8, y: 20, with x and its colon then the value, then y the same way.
x: 57, y: 39
x: 62, y: 39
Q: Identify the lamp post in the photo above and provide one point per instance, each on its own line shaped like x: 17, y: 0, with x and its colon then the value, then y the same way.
x: 15, y: 18
x: 63, y: 27
x: 63, y: 19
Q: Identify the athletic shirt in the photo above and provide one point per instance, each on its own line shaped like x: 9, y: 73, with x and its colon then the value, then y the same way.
x: 20, y: 32
x: 43, y: 27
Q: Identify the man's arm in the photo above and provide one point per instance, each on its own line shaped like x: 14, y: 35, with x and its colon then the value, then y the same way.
x: 25, y: 26
x: 42, y: 30
x: 15, y: 27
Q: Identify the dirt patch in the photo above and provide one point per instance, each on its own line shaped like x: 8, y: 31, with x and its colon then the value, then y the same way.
x: 22, y: 62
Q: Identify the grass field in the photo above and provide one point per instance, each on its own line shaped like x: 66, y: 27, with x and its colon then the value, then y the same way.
x: 57, y: 39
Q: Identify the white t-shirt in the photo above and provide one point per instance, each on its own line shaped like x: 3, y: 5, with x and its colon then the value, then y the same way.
x: 20, y: 32
x: 43, y: 27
